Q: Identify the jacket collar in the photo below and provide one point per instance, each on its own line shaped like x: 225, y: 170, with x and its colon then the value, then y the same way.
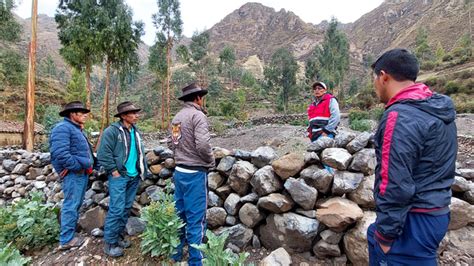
x: 67, y: 119
x: 418, y: 91
x: 193, y: 105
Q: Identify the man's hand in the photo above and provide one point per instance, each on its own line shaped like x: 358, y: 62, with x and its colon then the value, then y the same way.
x: 115, y: 173
x: 384, y: 248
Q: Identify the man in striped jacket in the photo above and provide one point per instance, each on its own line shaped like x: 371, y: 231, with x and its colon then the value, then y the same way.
x: 416, y: 148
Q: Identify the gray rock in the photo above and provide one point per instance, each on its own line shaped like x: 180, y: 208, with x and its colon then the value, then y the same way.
x: 98, y: 197
x: 240, y: 175
x: 224, y: 191
x: 288, y: 165
x: 214, y: 180
x: 469, y: 196
x: 105, y: 203
x: 345, y: 182
x: 98, y: 186
x: 45, y: 158
x: 97, y: 232
x: 34, y: 172
x: 256, y: 242
x: 220, y: 153
x: 265, y: 182
x: 343, y: 138
x: 216, y: 216
x: 355, y: 240
x: 331, y: 237
x: 301, y: 193
x: 243, y: 155
x: 276, y: 203
x: 167, y: 153
x: 250, y: 198
x: 169, y: 163
x: 231, y: 220
x: 462, y: 214
x: 232, y: 204
x: 457, y: 247
x: 460, y: 184
x: 364, y: 161
x: 321, y: 144
x: 225, y: 165
x: 359, y: 142
x: 263, y: 156
x: 39, y: 184
x: 309, y: 214
x: 318, y: 178
x: 338, y: 213
x: 20, y: 169
x: 250, y: 215
x: 311, y: 158
x: 144, y: 199
x: 91, y: 219
x: 364, y: 194
x: 278, y: 257
x: 291, y: 231
x: 135, y: 226
x: 239, y: 235
x: 9, y: 165
x: 336, y: 158
x: 152, y: 159
x: 158, y: 150
x: 466, y: 173
x: 48, y: 169
x: 213, y: 200
x: 322, y: 249
x: 165, y: 173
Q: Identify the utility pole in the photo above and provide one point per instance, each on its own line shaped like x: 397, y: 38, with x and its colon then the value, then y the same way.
x: 29, y: 128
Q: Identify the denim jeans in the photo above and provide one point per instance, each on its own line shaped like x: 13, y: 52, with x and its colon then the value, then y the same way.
x: 122, y: 191
x: 191, y: 203
x: 327, y: 167
x: 74, y: 188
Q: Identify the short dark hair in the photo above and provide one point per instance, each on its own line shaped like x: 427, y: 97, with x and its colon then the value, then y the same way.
x: 192, y: 97
x: 399, y: 63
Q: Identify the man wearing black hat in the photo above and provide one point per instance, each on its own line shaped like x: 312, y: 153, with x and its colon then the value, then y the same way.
x: 193, y: 156
x: 122, y: 155
x: 72, y: 158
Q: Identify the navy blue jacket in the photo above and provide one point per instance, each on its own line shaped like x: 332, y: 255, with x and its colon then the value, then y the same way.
x: 69, y: 147
x: 416, y: 146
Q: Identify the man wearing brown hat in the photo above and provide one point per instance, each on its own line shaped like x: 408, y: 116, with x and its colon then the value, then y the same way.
x: 122, y: 155
x: 193, y: 156
x: 72, y: 158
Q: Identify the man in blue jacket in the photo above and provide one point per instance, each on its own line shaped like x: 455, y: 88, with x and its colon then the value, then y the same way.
x: 122, y: 155
x: 416, y: 148
x: 72, y: 158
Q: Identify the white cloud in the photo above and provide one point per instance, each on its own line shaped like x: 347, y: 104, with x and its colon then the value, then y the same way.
x: 198, y: 15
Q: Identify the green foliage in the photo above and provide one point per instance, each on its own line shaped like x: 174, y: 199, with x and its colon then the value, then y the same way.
x: 215, y: 253
x: 157, y: 59
x: 464, y: 103
x: 214, y: 88
x: 440, y: 52
x: 356, y: 114
x: 332, y: 57
x: 280, y: 76
x: 51, y: 117
x: 428, y: 65
x: 366, y: 98
x: 376, y: 113
x: 183, y: 53
x: 248, y: 80
x: 199, y: 45
x: 48, y: 68
x: 12, y: 68
x: 163, y: 225
x: 353, y: 87
x: 76, y: 87
x: 29, y: 223
x: 360, y: 125
x: 182, y: 78
x: 10, y: 30
x: 422, y: 49
x: 10, y: 256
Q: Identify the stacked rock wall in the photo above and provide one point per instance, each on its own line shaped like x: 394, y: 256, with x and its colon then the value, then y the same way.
x: 260, y: 199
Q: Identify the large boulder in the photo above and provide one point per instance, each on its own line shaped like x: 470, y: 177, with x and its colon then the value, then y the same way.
x: 345, y: 182
x: 20, y: 169
x: 317, y: 177
x: 364, y: 161
x: 93, y: 218
x: 338, y: 213
x: 243, y: 155
x: 321, y: 144
x: 288, y: 165
x: 301, y: 193
x: 457, y: 247
x: 462, y: 214
x: 336, y: 158
x: 263, y: 156
x: 232, y: 204
x: 359, y: 142
x: 9, y: 165
x: 250, y: 215
x: 291, y: 231
x: 216, y: 217
x: 343, y: 138
x: 213, y: 200
x: 135, y: 226
x: 264, y: 181
x: 152, y: 159
x: 276, y: 203
x: 225, y: 165
x: 278, y: 257
x: 214, y: 180
x: 322, y: 249
x: 240, y: 175
x: 355, y: 240
x: 220, y: 153
x: 364, y: 194
x: 239, y: 235
x: 311, y: 158
x: 460, y: 184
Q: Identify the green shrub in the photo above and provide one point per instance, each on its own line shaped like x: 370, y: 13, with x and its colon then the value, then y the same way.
x: 215, y: 253
x: 163, y: 225
x: 428, y: 65
x: 360, y: 125
x: 10, y: 256
x: 356, y: 114
x: 452, y: 87
x: 376, y: 113
x: 29, y: 224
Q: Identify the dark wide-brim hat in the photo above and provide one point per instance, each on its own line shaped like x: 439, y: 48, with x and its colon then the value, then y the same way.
x: 126, y: 107
x: 191, y: 89
x: 75, y: 106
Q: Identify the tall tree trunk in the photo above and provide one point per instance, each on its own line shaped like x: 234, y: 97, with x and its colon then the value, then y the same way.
x: 116, y: 92
x: 88, y: 85
x: 168, y: 78
x: 105, y: 107
x: 163, y: 125
x: 29, y: 126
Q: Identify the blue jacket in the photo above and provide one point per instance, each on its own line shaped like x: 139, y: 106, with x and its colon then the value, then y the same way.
x: 416, y: 146
x: 69, y: 147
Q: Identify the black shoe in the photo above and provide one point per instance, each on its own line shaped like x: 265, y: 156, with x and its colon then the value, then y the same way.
x: 113, y: 250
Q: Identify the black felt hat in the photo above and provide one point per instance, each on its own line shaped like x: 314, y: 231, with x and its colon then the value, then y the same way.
x: 75, y: 106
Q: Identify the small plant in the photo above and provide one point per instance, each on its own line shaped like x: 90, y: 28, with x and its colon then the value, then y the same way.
x: 356, y: 114
x: 29, y: 224
x: 10, y: 256
x: 360, y: 125
x: 376, y: 113
x: 161, y: 236
x: 215, y: 253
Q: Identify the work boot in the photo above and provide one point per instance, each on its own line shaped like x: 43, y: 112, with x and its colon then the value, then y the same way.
x: 123, y: 242
x: 75, y: 242
x: 113, y: 250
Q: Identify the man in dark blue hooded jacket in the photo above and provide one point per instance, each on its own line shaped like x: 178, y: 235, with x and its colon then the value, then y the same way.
x: 416, y: 148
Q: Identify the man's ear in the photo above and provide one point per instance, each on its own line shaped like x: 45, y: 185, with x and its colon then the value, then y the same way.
x: 384, y: 76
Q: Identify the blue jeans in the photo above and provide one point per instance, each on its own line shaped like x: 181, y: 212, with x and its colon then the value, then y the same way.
x: 191, y: 203
x: 417, y: 245
x: 327, y: 167
x: 74, y: 188
x: 122, y: 191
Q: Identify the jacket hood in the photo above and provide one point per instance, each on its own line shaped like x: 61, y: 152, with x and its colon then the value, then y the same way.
x: 421, y: 97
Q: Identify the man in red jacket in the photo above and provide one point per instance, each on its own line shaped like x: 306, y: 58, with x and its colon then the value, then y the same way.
x: 323, y: 113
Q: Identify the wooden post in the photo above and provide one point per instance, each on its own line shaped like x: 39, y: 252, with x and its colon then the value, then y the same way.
x: 29, y: 127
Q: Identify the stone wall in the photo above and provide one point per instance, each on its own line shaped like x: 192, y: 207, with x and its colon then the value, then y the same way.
x: 262, y: 200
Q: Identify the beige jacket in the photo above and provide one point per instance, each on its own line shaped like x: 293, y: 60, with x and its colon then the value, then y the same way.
x: 190, y: 138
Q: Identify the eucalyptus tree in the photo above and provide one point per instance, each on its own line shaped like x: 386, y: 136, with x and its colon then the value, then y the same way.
x: 157, y: 63
x: 168, y: 22
x: 227, y: 60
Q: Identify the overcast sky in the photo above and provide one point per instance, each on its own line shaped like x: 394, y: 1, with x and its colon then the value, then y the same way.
x: 199, y: 15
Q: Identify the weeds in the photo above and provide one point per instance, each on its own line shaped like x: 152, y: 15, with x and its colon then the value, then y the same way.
x: 215, y: 253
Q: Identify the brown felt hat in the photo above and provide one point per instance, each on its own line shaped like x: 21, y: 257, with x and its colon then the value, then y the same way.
x: 75, y: 106
x: 192, y: 88
x: 126, y: 107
